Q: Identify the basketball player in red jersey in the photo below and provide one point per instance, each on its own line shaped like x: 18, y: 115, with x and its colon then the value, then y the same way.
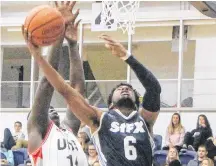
x: 51, y: 143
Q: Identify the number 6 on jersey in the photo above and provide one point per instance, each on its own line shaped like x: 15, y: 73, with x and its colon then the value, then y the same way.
x: 130, y: 150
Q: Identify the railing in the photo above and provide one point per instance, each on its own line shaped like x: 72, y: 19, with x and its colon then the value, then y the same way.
x: 97, y: 92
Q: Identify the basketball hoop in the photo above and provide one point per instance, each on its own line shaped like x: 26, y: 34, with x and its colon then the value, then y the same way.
x: 121, y: 12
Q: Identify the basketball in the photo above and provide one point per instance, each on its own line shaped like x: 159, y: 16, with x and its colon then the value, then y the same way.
x: 45, y: 25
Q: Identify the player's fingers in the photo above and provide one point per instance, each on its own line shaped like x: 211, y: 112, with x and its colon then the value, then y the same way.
x: 72, y: 5
x: 26, y: 34
x: 77, y: 23
x: 107, y: 38
x: 108, y: 46
x: 72, y: 18
x: 62, y: 2
x: 111, y: 43
x: 56, y: 4
x: 23, y: 32
x: 67, y: 3
x: 76, y: 14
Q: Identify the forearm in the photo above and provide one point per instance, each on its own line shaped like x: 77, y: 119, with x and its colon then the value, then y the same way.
x: 55, y: 53
x: 147, y: 79
x: 44, y: 93
x: 151, y: 100
x: 77, y: 82
x: 76, y: 102
x: 52, y: 75
x: 76, y: 69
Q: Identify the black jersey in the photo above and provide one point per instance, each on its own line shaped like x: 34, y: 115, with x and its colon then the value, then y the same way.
x: 123, y: 141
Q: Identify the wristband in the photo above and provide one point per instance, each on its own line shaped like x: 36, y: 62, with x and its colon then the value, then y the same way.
x: 124, y: 58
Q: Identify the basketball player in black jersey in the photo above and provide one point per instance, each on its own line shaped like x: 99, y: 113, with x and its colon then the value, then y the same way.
x: 121, y: 135
x: 41, y: 113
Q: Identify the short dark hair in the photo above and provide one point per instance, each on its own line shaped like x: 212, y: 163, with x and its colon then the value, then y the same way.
x: 137, y: 102
x: 202, y: 146
x: 18, y: 123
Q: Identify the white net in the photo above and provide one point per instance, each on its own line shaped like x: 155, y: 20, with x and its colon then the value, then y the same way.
x: 121, y: 12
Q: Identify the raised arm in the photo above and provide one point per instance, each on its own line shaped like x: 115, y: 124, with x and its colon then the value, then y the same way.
x: 76, y: 69
x: 151, y: 99
x: 77, y: 104
x: 39, y: 117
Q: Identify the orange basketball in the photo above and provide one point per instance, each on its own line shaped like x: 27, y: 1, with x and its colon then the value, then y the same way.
x: 45, y: 25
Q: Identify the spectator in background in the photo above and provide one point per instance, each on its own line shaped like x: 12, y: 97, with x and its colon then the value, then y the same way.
x: 83, y: 139
x: 198, y: 136
x: 10, y: 139
x: 211, y: 148
x: 172, y: 157
x: 8, y: 159
x: 18, y: 134
x: 201, y: 155
x: 92, y: 155
x: 207, y: 162
x: 175, y: 133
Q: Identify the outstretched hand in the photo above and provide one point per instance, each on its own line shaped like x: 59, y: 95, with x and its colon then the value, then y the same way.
x: 66, y: 9
x: 34, y: 50
x: 115, y: 47
x: 71, y: 31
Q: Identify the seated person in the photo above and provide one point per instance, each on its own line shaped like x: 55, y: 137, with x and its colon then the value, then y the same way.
x: 201, y: 155
x: 92, y: 155
x: 83, y: 139
x: 15, y: 140
x: 9, y: 158
x: 211, y: 147
x: 18, y: 134
x: 207, y: 162
x: 172, y: 157
x: 198, y: 136
x: 175, y: 133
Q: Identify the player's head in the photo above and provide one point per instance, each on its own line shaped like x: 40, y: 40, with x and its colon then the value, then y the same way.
x: 53, y: 114
x: 17, y: 126
x: 123, y: 95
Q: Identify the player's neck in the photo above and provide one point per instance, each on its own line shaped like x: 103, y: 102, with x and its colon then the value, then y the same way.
x: 125, y: 111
